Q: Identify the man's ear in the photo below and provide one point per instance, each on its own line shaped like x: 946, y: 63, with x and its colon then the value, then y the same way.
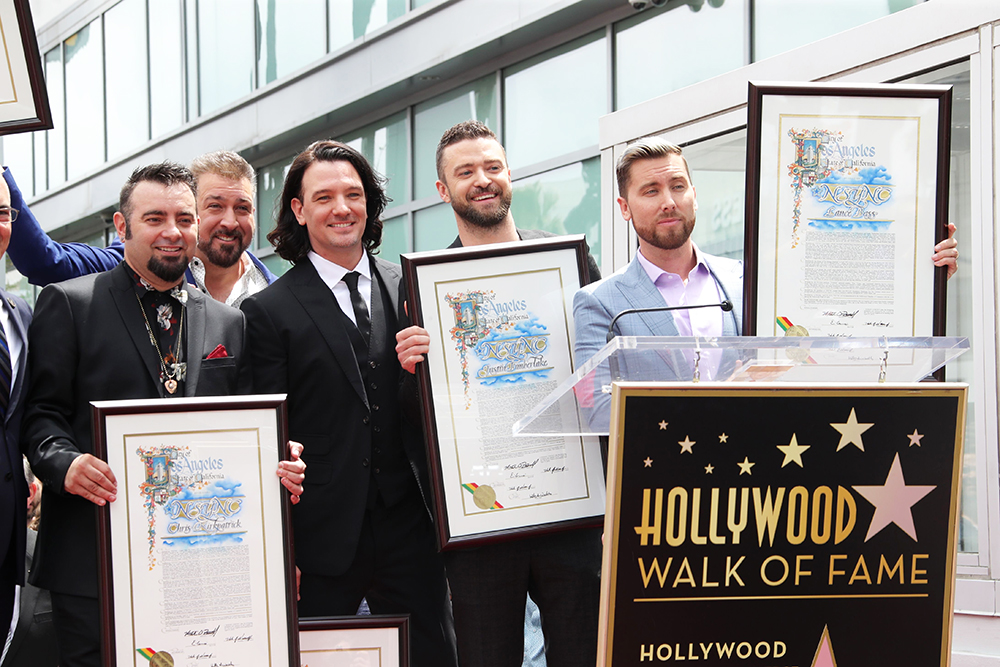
x: 443, y: 192
x: 626, y: 212
x: 119, y: 221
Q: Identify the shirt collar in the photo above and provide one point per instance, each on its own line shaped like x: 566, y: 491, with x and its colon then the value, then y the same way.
x: 142, y: 286
x: 655, y: 273
x: 333, y: 273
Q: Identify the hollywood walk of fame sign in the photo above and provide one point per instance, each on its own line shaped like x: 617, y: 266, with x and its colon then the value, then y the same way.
x: 788, y: 526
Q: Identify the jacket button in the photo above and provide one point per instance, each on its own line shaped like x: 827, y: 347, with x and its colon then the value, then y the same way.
x: 375, y: 408
x: 373, y: 364
x: 378, y: 451
x: 377, y: 471
x: 377, y: 429
x: 365, y: 463
x: 364, y: 420
x: 374, y: 386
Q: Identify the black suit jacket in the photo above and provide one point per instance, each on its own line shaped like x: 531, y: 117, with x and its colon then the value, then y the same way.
x: 13, y: 487
x: 299, y: 345
x: 88, y: 342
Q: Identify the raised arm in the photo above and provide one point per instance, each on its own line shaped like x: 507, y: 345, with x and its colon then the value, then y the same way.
x: 42, y: 260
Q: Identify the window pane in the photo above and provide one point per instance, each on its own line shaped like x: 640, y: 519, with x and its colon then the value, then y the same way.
x: 473, y: 101
x: 384, y: 145
x: 84, y: 101
x: 552, y: 103
x: 126, y: 96
x: 17, y: 156
x: 166, y: 71
x: 717, y: 170
x: 276, y: 264
x: 959, y: 319
x: 782, y: 25
x: 351, y: 19
x: 191, y: 66
x: 562, y: 201
x: 434, y: 228
x: 56, y: 137
x: 225, y: 52
x: 393, y: 239
x: 710, y: 39
x: 17, y: 284
x: 293, y: 34
x: 270, y: 182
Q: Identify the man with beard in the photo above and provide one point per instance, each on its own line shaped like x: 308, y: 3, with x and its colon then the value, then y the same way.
x: 165, y: 339
x: 222, y: 266
x: 658, y: 198
x: 561, y: 570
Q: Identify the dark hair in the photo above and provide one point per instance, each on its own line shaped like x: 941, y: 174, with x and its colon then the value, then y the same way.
x: 469, y: 129
x: 647, y: 148
x: 164, y: 173
x: 289, y: 238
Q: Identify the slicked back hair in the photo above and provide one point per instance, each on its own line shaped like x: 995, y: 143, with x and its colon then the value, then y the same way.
x: 166, y: 174
x: 647, y: 148
x: 226, y: 164
x: 290, y: 239
x: 468, y: 129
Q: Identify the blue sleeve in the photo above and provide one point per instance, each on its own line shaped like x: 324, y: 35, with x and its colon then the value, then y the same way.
x: 42, y: 260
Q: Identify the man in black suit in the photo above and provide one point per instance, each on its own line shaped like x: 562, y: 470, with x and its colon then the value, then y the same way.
x: 324, y: 334
x: 561, y: 571
x: 135, y: 331
x: 15, y: 316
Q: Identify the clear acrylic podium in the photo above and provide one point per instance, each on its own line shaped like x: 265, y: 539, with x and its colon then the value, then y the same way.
x: 582, y: 403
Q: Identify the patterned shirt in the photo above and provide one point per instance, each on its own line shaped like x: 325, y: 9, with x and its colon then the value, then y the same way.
x: 250, y: 282
x: 163, y: 311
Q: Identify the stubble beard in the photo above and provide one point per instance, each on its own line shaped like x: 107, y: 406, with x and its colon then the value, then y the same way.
x: 170, y: 272
x: 484, y: 219
x: 226, y: 255
x: 668, y: 239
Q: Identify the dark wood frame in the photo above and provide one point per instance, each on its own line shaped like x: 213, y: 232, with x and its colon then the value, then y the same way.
x: 42, y: 120
x: 401, y: 623
x: 105, y: 555
x: 757, y: 91
x: 411, y: 264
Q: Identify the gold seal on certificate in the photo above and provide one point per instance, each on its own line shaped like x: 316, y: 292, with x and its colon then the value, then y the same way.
x: 797, y: 330
x: 484, y: 496
x: 161, y: 659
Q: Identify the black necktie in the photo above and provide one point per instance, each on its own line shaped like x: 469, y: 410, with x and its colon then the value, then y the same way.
x: 360, y: 309
x: 5, y: 373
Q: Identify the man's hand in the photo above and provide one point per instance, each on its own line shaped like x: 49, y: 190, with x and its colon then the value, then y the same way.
x: 91, y: 478
x: 412, y: 343
x: 293, y: 472
x: 946, y: 252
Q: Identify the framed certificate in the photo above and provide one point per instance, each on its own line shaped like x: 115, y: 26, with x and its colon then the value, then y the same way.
x: 847, y: 193
x: 24, y: 101
x: 348, y: 641
x: 500, y: 319
x: 195, y: 564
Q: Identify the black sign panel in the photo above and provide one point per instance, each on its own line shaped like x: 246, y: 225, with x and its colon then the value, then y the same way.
x: 786, y: 526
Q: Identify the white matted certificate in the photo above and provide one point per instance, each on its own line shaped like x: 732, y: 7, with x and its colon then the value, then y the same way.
x: 355, y: 641
x: 195, y: 564
x: 24, y: 103
x: 501, y: 326
x: 847, y: 195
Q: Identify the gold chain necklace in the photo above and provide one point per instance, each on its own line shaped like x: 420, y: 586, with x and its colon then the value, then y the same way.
x: 180, y: 368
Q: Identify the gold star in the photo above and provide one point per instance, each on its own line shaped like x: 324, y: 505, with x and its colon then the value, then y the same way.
x: 648, y: 462
x: 850, y: 432
x: 745, y: 466
x: 915, y: 438
x: 709, y: 468
x: 723, y: 438
x: 793, y: 452
x: 663, y: 426
x: 893, y: 501
x: 686, y: 444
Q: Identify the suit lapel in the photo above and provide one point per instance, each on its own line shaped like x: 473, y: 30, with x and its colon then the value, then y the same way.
x: 638, y: 291
x: 196, y: 323
x: 130, y: 310
x: 321, y: 306
x: 22, y: 362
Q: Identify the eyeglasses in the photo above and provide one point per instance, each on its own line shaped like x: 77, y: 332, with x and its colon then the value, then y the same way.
x: 8, y: 214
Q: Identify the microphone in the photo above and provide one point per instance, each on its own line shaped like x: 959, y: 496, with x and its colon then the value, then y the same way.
x: 726, y: 306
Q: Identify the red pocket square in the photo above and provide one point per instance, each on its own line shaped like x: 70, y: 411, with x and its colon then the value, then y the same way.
x: 218, y: 353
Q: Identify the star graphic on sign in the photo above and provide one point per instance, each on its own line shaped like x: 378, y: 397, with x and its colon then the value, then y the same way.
x: 709, y: 468
x: 793, y: 452
x: 686, y: 444
x: 824, y: 652
x: 723, y: 438
x: 850, y: 432
x: 648, y: 462
x: 745, y: 466
x: 915, y: 438
x: 893, y: 501
x: 663, y: 425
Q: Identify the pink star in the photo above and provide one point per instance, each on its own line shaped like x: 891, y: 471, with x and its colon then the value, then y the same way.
x: 893, y: 501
